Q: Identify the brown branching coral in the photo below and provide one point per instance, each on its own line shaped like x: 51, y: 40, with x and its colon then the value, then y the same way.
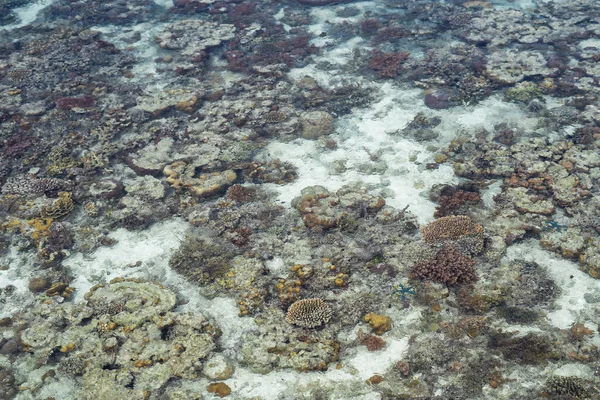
x: 451, y: 227
x: 309, y: 313
x: 449, y: 266
x: 373, y: 343
x: 450, y: 203
x: 241, y: 194
x: 387, y: 65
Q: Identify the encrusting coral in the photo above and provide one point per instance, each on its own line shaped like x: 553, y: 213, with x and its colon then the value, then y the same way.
x: 129, y: 324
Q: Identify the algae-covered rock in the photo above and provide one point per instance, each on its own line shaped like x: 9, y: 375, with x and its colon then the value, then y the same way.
x: 568, y: 242
x: 590, y: 259
x: 279, y: 345
x: 218, y: 367
x: 316, y: 124
x: 203, y: 258
x: 527, y: 203
x: 325, y: 210
x: 126, y: 342
x: 130, y: 302
x: 182, y: 176
x: 511, y: 66
x: 194, y: 36
x: 185, y: 100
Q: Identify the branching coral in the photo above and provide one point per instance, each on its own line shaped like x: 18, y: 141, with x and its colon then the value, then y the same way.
x: 452, y: 202
x: 387, y: 65
x: 309, y: 313
x: 449, y: 266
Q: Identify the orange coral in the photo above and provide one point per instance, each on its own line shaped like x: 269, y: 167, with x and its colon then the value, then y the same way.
x: 451, y: 227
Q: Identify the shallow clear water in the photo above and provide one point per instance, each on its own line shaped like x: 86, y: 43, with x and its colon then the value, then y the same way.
x: 300, y: 199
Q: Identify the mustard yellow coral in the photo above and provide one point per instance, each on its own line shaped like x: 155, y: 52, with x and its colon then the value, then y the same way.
x: 379, y: 323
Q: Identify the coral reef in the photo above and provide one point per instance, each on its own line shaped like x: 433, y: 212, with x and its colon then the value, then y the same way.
x: 379, y: 323
x: 186, y: 127
x: 286, y: 346
x: 451, y: 227
x: 567, y: 387
x: 126, y: 332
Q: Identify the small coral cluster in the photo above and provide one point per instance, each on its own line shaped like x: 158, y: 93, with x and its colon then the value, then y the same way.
x: 309, y: 313
x: 453, y: 201
x: 387, y: 65
x: 449, y: 266
x: 450, y: 228
x: 24, y: 185
x: 321, y: 209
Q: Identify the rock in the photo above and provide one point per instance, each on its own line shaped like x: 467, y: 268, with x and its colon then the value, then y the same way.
x: 217, y: 367
x: 316, y: 124
x: 186, y: 100
x: 181, y: 176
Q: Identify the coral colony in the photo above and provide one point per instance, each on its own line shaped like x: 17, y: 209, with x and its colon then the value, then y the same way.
x: 209, y: 199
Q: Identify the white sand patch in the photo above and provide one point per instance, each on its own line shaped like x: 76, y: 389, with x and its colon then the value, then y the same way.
x: 593, y: 43
x: 373, y: 154
x: 276, y: 265
x: 579, y: 370
x: 145, y: 50
x: 133, y: 255
x: 485, y: 115
x: 18, y: 265
x: 368, y: 363
x: 27, y: 14
x: 487, y: 195
x: 164, y: 3
x: 18, y: 269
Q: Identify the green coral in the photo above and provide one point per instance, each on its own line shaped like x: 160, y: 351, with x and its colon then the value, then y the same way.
x: 523, y: 93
